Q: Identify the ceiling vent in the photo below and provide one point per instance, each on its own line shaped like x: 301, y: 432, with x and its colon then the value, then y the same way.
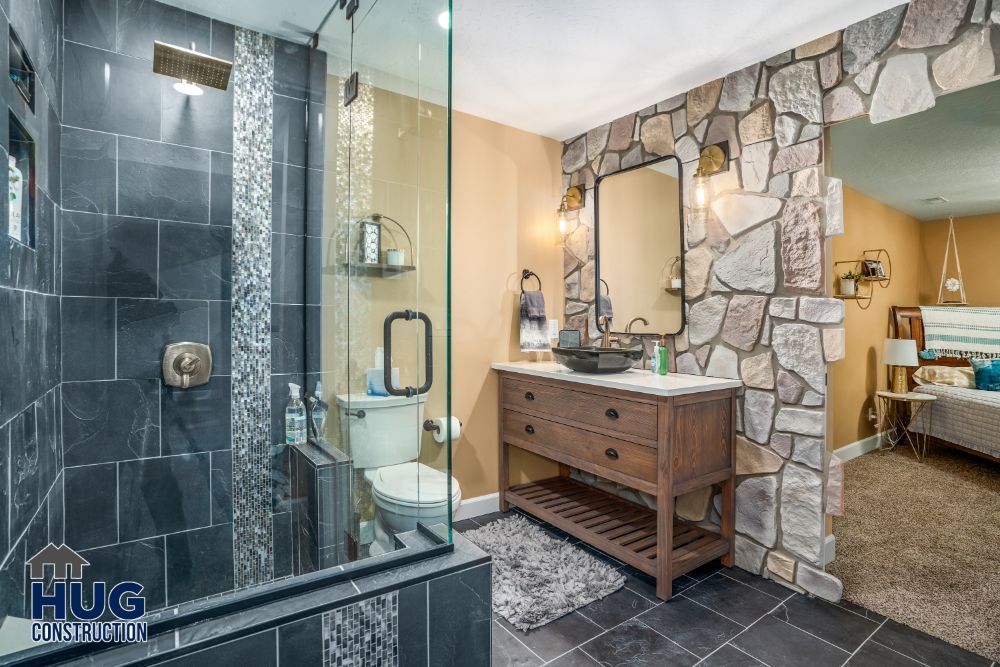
x: 935, y: 200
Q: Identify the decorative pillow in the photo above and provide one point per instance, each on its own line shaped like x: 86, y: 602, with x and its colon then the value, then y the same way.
x: 987, y: 374
x: 947, y: 376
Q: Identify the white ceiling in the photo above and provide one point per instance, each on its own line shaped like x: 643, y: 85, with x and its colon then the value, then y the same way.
x: 950, y: 151
x: 294, y: 20
x: 559, y: 68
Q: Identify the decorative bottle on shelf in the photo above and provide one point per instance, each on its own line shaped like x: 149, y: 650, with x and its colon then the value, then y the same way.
x: 295, y: 417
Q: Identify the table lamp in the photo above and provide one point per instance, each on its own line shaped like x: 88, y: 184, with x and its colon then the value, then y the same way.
x: 899, y: 353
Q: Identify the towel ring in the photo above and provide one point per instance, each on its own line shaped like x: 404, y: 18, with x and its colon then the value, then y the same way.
x: 606, y: 286
x: 525, y: 274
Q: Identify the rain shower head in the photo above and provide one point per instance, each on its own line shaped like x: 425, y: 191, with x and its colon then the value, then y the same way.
x: 191, y: 66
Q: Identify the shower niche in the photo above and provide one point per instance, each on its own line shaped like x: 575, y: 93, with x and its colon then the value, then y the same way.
x: 22, y: 72
x: 20, y: 184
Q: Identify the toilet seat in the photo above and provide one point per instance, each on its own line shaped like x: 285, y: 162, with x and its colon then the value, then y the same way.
x: 413, y: 484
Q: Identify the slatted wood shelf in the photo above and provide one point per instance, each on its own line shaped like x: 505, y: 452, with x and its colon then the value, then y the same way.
x: 618, y: 527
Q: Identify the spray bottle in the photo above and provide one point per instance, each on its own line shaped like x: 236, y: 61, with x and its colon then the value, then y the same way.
x: 295, y: 417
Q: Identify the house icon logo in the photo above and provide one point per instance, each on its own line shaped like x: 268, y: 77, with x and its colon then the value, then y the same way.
x: 66, y: 609
x: 66, y: 563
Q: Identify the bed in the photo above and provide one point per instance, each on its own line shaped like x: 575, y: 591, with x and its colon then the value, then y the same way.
x: 967, y: 419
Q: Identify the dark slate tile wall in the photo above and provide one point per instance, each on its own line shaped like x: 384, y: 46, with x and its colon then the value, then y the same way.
x: 289, y: 217
x: 31, y: 460
x: 146, y: 260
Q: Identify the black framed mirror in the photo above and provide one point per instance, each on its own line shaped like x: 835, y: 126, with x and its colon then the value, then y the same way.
x: 639, y: 249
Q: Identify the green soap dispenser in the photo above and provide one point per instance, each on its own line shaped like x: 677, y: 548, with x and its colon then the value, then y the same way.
x: 664, y: 360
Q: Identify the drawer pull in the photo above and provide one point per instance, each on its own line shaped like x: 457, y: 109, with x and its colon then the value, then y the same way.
x: 529, y: 428
x: 611, y: 453
x: 611, y: 413
x: 528, y: 396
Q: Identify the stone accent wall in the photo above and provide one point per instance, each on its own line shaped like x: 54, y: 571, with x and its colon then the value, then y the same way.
x: 755, y: 269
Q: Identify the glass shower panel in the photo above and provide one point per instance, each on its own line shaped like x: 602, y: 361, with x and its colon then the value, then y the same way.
x: 386, y: 266
x: 307, y: 224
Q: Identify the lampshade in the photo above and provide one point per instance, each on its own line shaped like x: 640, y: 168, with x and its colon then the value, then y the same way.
x: 900, y: 352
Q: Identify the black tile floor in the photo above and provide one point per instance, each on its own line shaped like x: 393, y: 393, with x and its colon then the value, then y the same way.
x: 717, y: 617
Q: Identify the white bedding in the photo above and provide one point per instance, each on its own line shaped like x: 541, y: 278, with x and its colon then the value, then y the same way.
x: 966, y: 417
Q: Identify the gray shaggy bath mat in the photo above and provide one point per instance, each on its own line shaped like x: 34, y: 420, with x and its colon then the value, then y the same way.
x: 538, y: 578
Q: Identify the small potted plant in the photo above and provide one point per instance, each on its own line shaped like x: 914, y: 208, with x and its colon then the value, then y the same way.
x: 849, y: 283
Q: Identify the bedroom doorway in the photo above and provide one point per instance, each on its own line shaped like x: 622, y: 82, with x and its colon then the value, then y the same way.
x: 917, y: 538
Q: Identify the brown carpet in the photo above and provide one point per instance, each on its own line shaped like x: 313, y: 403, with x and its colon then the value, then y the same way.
x: 921, y: 543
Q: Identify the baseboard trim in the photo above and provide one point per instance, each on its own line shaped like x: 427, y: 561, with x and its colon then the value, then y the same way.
x: 858, y: 448
x: 478, y: 506
x: 829, y: 549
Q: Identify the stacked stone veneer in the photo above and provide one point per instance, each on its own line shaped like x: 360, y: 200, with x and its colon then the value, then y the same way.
x: 755, y: 269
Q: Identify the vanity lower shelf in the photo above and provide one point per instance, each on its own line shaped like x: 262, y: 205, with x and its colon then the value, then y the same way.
x: 618, y: 527
x: 663, y: 445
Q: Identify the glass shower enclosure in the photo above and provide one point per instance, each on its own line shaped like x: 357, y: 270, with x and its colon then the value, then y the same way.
x: 383, y: 265
x: 294, y: 227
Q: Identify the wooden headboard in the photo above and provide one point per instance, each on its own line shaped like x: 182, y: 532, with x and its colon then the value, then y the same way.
x: 907, y: 322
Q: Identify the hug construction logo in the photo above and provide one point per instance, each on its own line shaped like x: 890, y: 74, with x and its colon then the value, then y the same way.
x: 112, y: 616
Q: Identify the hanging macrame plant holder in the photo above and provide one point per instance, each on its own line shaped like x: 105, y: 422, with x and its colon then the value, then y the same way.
x: 951, y: 286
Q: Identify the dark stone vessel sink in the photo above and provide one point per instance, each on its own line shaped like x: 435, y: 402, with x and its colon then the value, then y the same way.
x: 597, y: 359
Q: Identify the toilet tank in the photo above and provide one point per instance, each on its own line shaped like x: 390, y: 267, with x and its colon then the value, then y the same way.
x: 388, y: 434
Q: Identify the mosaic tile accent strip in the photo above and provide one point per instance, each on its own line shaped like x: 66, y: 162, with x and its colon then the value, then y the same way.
x: 253, y: 86
x: 363, y: 633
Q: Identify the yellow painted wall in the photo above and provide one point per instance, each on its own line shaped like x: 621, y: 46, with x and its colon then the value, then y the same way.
x: 506, y: 188
x: 977, y: 237
x: 855, y: 379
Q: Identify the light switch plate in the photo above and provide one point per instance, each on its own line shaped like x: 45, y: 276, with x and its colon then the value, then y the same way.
x: 553, y: 329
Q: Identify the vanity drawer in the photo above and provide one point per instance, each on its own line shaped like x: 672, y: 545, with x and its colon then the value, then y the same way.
x: 589, y: 451
x: 622, y: 415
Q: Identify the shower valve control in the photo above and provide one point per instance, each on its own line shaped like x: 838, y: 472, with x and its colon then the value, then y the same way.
x: 186, y: 365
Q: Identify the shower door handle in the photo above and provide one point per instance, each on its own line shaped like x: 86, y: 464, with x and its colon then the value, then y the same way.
x: 408, y: 315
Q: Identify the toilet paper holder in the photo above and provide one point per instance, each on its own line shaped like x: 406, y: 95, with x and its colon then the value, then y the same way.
x: 432, y: 426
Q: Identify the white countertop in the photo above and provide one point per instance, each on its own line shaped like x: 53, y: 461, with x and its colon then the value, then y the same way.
x: 643, y: 382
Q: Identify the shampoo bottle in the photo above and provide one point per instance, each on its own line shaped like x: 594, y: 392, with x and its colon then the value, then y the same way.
x: 318, y: 409
x: 654, y: 359
x: 664, y: 362
x: 295, y: 417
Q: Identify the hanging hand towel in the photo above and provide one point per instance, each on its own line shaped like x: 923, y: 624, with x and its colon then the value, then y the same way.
x: 534, y: 327
x: 606, y: 308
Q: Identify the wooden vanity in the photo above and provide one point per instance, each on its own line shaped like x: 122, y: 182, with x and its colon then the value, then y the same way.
x: 664, y: 435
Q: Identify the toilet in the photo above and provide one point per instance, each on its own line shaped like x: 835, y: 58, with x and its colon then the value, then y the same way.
x: 385, y: 443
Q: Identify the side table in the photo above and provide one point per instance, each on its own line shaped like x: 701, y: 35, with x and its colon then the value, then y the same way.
x: 896, y: 413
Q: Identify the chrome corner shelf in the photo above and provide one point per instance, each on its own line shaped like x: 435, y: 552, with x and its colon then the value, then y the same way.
x: 378, y: 270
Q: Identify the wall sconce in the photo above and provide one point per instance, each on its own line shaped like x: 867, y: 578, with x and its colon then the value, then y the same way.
x: 571, y: 201
x: 712, y: 160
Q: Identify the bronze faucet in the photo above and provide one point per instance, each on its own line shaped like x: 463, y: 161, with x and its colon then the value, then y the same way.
x: 628, y: 327
x: 607, y: 338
